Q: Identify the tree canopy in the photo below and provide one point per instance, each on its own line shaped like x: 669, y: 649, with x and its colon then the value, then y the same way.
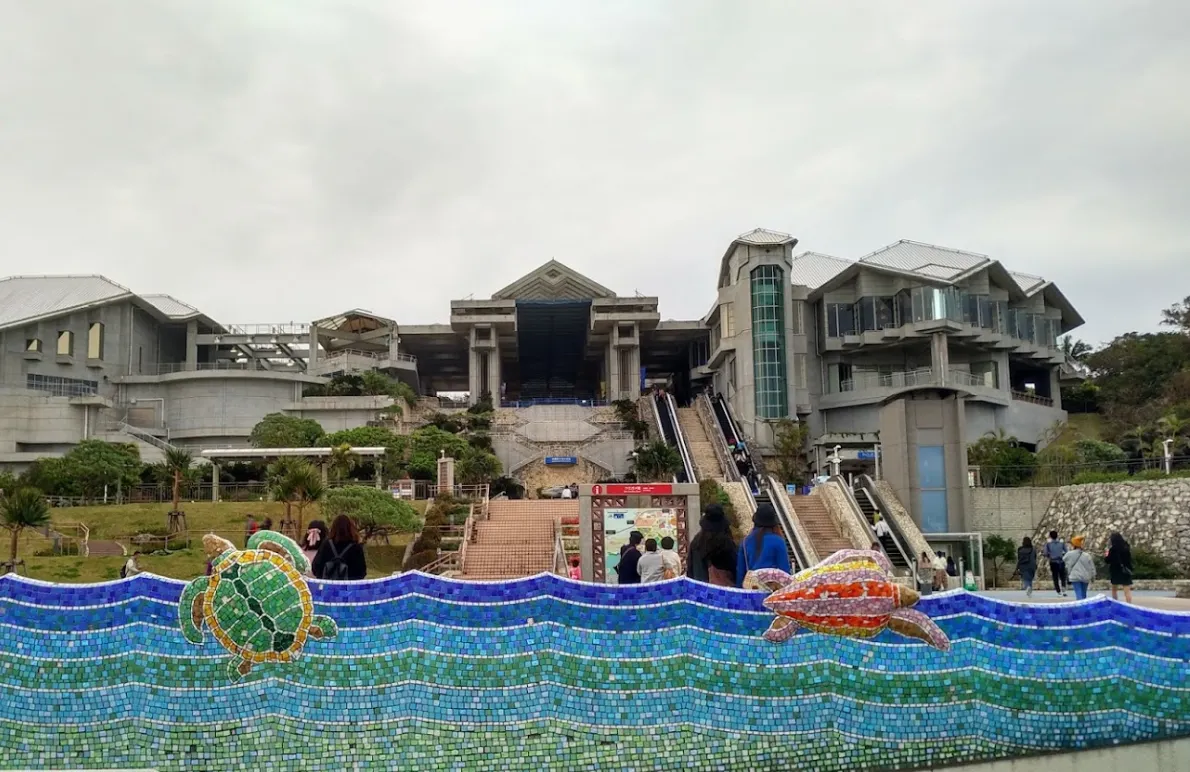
x: 277, y: 430
x: 373, y: 510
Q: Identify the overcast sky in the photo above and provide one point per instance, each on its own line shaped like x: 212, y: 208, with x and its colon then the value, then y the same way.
x: 271, y: 161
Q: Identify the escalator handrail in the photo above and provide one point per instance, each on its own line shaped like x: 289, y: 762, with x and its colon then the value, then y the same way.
x: 792, y: 532
x: 868, y: 485
x: 853, y: 505
x: 892, y: 532
x: 660, y: 426
x: 683, y: 448
x: 715, y: 435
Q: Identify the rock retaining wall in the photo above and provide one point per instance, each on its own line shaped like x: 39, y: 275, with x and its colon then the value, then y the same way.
x: 1154, y: 515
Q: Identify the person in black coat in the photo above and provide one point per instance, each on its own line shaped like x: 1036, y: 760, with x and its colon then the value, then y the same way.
x: 341, y: 556
x: 1119, y: 566
x: 713, y: 553
x: 627, y: 571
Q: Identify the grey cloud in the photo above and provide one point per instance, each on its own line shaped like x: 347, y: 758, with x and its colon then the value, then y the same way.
x: 272, y: 161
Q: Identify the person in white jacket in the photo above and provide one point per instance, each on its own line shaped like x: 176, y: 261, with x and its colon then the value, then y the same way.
x: 1080, y: 567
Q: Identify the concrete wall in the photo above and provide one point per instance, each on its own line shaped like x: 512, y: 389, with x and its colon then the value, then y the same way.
x: 922, y: 419
x: 31, y: 418
x: 1027, y: 421
x: 1166, y: 756
x: 1010, y: 512
x: 217, y: 404
x: 336, y: 414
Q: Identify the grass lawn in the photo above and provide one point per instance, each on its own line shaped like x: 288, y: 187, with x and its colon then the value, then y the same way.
x: 119, y: 523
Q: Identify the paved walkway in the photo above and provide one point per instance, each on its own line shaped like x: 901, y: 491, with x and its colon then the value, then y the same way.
x: 1155, y: 599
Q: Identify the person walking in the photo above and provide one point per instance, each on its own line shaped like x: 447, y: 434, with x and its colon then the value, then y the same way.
x: 1080, y: 568
x: 1026, y: 564
x: 713, y: 553
x: 341, y: 556
x: 1119, y: 566
x: 764, y: 547
x: 1055, y: 551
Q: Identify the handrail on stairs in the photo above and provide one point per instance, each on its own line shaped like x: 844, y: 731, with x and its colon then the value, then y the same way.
x: 657, y: 422
x: 868, y: 485
x: 559, y: 549
x: 683, y: 447
x: 710, y: 427
x: 788, y: 521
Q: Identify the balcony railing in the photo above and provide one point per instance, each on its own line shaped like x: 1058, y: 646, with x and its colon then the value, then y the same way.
x: 1028, y: 396
x: 280, y: 328
x: 915, y: 378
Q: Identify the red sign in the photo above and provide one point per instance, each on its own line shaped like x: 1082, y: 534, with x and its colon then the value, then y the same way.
x: 645, y: 489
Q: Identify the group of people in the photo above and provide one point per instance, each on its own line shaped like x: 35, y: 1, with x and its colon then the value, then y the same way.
x: 335, y: 553
x: 1072, y: 566
x: 715, y: 558
x: 656, y: 562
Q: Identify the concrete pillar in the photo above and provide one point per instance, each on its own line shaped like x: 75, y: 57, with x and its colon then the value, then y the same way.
x: 312, y: 357
x: 940, y: 357
x: 446, y: 475
x: 495, y: 372
x: 474, y: 371
x: 214, y: 481
x: 323, y: 468
x: 1056, y: 388
x: 192, y: 345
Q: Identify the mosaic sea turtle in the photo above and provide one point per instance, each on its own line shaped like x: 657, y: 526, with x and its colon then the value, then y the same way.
x: 255, y: 602
x: 850, y: 594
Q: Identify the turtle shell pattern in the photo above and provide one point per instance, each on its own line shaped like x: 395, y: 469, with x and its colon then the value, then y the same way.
x: 258, y: 606
x: 849, y: 598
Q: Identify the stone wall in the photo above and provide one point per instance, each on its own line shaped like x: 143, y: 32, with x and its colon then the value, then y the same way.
x: 536, y: 475
x: 1010, y: 512
x: 1154, y: 515
x: 901, y: 519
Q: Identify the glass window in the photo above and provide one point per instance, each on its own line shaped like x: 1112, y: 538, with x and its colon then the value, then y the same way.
x: 797, y: 310
x: 95, y: 341
x: 931, y: 476
x: 33, y: 344
x: 768, y: 342
x: 904, y: 308
x: 985, y: 374
x: 728, y: 320
x: 61, y: 387
x: 65, y: 343
x: 840, y: 320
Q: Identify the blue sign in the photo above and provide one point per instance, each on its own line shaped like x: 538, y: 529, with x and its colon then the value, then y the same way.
x: 866, y: 455
x: 642, y: 379
x: 561, y: 460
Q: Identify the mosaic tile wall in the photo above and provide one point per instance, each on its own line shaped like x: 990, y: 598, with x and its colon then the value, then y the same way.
x: 544, y: 673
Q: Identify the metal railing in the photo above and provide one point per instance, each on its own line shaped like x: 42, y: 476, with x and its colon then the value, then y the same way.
x: 1027, y: 396
x: 710, y: 427
x: 280, y: 365
x: 867, y: 487
x: 144, y: 436
x: 371, y: 356
x: 904, y: 379
x: 559, y: 549
x: 683, y: 448
x: 276, y: 328
x: 519, y: 403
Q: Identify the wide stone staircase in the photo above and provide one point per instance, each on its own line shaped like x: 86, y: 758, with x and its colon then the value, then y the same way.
x: 819, y: 526
x: 517, y: 539
x: 705, y: 463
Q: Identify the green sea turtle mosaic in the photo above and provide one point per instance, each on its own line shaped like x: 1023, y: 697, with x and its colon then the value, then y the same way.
x: 255, y: 602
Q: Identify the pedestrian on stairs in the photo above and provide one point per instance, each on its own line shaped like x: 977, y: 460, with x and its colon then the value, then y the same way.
x: 764, y: 547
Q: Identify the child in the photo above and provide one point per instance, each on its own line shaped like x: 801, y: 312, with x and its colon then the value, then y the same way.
x: 671, y: 564
x: 576, y: 573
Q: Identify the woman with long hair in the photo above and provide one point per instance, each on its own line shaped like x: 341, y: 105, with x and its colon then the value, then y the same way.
x: 341, y: 556
x: 1119, y: 566
x: 316, y: 534
x: 764, y: 547
x: 1026, y: 564
x: 712, y: 556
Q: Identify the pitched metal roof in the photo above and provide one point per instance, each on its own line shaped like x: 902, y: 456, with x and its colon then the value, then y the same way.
x: 25, y: 299
x: 813, y: 269
x: 171, y: 306
x: 764, y: 236
x: 1028, y: 283
x: 926, y: 260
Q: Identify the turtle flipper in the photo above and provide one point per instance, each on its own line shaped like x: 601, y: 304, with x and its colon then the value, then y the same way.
x: 771, y: 579
x: 914, y: 624
x: 323, y: 627
x: 781, y: 630
x: 282, y: 545
x: 238, y: 668
x: 190, y: 615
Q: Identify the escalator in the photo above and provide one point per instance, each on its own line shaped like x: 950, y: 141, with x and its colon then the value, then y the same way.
x: 893, y: 542
x: 671, y: 432
x: 761, y: 488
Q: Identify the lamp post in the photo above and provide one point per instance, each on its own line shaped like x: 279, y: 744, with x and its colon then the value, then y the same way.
x: 1166, y: 446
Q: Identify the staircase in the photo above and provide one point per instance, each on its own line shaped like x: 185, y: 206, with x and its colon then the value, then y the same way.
x: 517, y: 539
x: 819, y: 526
x: 706, y: 465
x: 886, y: 541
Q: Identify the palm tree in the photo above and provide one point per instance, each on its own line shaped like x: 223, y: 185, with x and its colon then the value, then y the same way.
x: 341, y: 461
x: 177, y: 461
x: 304, y: 484
x: 21, y: 509
x: 281, y: 475
x: 1075, y: 349
x: 658, y: 461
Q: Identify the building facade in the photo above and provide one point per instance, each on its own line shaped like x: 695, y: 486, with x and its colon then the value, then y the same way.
x: 896, y: 360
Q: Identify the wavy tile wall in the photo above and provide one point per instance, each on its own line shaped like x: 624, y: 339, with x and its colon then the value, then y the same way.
x: 546, y: 673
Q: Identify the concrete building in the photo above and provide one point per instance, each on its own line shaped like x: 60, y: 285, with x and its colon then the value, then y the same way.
x: 900, y: 358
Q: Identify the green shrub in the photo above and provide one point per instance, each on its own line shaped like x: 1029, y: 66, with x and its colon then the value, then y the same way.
x: 372, y: 509
x: 1146, y: 564
x: 1090, y: 478
x: 420, y: 560
x: 429, y: 540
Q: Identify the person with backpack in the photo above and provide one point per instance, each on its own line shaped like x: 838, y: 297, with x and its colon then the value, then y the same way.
x: 341, y: 556
x: 1080, y: 567
x: 1055, y: 551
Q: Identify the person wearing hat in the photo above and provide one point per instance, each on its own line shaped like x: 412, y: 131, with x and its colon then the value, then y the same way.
x: 712, y: 555
x: 1080, y: 567
x: 764, y: 547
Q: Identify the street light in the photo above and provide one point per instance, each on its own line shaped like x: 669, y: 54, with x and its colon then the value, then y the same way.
x: 1165, y: 446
